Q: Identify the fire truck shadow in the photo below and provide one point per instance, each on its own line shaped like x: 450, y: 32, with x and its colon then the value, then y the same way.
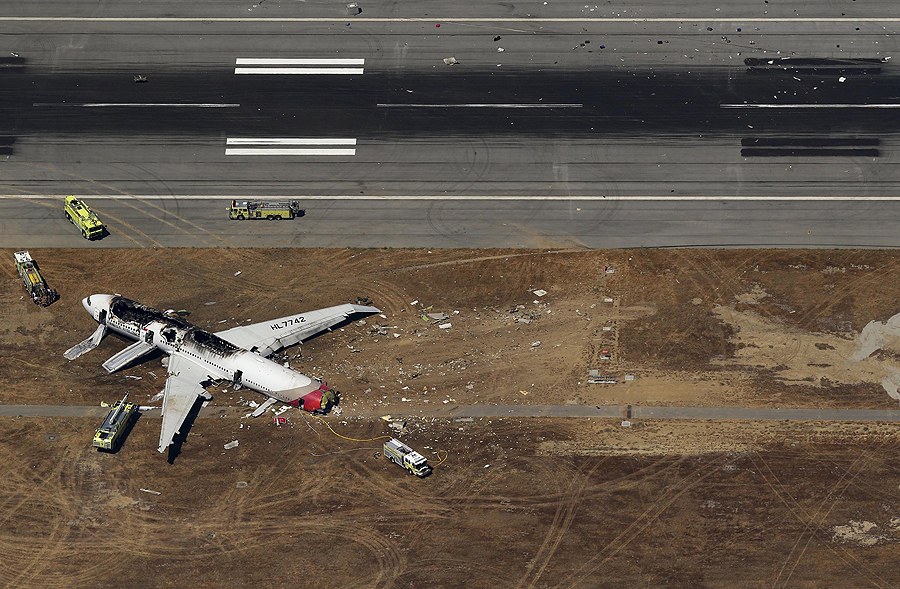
x: 181, y: 436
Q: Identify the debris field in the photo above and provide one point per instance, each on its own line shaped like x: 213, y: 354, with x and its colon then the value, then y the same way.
x: 554, y: 502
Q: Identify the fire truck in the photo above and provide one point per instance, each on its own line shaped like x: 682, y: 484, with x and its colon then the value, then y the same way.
x: 259, y: 209
x: 35, y: 284
x: 406, y: 458
x: 109, y: 435
x: 81, y: 215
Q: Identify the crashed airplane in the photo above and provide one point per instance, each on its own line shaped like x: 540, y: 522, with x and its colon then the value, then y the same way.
x: 197, y: 356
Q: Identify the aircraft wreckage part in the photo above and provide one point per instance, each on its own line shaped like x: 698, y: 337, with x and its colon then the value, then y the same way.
x: 262, y: 408
x: 128, y: 355
x: 87, y: 345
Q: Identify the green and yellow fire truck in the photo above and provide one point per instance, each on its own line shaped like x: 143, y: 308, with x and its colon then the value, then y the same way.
x: 258, y: 209
x: 109, y: 435
x: 35, y: 284
x: 81, y: 215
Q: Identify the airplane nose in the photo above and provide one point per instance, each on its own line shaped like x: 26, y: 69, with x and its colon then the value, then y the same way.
x: 86, y: 303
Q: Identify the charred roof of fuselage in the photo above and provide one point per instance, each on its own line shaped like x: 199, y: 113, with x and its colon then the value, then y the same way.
x: 211, y: 342
x: 134, y: 312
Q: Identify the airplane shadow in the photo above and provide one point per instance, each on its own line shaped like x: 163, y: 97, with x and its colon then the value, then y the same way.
x: 178, y: 440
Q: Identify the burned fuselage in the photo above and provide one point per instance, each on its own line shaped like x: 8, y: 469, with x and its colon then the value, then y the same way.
x: 222, y: 360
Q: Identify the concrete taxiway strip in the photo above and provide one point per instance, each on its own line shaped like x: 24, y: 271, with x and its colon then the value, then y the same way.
x: 134, y: 105
x: 721, y: 413
x: 517, y: 411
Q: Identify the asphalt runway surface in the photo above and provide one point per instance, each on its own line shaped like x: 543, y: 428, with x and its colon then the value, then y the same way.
x: 561, y: 125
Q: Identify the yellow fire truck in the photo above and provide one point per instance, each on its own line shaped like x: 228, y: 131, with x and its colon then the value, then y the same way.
x: 81, y: 215
x: 109, y: 435
x: 258, y: 209
x: 35, y: 284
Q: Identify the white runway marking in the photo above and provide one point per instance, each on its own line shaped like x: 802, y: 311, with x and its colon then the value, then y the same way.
x: 300, y: 71
x: 447, y: 19
x: 279, y: 66
x: 299, y: 61
x: 296, y: 151
x: 480, y: 105
x: 275, y: 146
x: 136, y: 104
x: 809, y: 105
x: 288, y: 141
x: 352, y: 197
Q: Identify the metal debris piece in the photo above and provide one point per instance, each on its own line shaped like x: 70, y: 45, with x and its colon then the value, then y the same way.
x: 231, y: 444
x: 240, y: 484
x: 445, y: 325
x: 353, y: 9
x: 626, y: 424
x: 451, y: 61
x: 539, y: 292
x: 438, y: 316
x: 151, y: 492
x: 140, y: 78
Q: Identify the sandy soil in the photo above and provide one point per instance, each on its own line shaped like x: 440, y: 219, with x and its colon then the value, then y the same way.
x: 563, y: 503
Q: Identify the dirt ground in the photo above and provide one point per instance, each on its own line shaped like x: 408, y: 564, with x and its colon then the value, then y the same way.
x: 563, y: 503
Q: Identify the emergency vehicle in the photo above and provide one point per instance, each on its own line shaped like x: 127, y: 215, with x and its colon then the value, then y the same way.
x: 109, y: 435
x: 404, y: 456
x: 35, y: 284
x: 81, y: 215
x: 272, y: 210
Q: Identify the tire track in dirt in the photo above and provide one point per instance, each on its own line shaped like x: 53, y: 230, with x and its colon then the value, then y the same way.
x: 641, y: 523
x: 862, y: 461
x: 804, y: 518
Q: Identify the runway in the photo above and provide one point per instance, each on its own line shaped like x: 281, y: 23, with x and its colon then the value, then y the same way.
x: 559, y: 125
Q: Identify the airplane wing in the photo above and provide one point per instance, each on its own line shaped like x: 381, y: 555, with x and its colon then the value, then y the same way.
x: 268, y: 337
x: 181, y: 392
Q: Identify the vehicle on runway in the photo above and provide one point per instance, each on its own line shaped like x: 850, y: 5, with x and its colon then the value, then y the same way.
x: 34, y: 282
x: 406, y: 458
x: 196, y: 356
x: 81, y: 215
x: 271, y: 210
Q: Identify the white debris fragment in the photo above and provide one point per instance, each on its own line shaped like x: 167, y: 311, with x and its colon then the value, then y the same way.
x: 208, y: 303
x: 487, y: 465
x: 335, y: 411
x: 535, y: 344
x: 415, y: 302
x: 626, y: 424
x: 238, y: 273
x: 231, y: 444
x: 151, y: 492
x: 500, y: 49
x: 450, y: 61
x: 134, y: 377
x: 158, y: 396
x: 540, y: 292
x: 445, y: 325
x: 842, y: 79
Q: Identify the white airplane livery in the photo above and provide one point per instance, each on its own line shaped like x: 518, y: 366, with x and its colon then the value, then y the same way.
x: 197, y: 356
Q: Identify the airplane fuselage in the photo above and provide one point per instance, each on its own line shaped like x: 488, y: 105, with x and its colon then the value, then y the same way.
x: 222, y: 360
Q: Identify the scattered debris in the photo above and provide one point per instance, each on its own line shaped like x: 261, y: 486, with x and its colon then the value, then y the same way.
x: 438, y: 316
x: 445, y: 325
x: 238, y: 273
x: 134, y: 377
x: 51, y: 438
x: 140, y: 78
x: 279, y: 420
x: 523, y: 392
x: 539, y: 292
x: 602, y: 380
x: 231, y: 444
x: 151, y: 492
x: 497, y: 38
x: 842, y: 79
x: 535, y: 344
x: 500, y: 49
x: 626, y: 424
x: 487, y: 465
x: 464, y: 419
x: 353, y: 9
x: 449, y: 61
x: 629, y: 377
x: 208, y: 303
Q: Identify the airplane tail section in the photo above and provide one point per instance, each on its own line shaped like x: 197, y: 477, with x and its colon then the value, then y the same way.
x: 87, y: 345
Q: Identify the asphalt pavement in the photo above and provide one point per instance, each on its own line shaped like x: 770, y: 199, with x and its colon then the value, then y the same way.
x: 560, y: 125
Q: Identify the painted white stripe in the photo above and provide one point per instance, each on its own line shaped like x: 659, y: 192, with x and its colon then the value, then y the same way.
x: 303, y: 61
x: 136, y: 104
x: 288, y: 141
x: 351, y: 197
x: 809, y: 105
x: 481, y: 105
x: 277, y: 151
x: 445, y: 19
x: 308, y: 71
